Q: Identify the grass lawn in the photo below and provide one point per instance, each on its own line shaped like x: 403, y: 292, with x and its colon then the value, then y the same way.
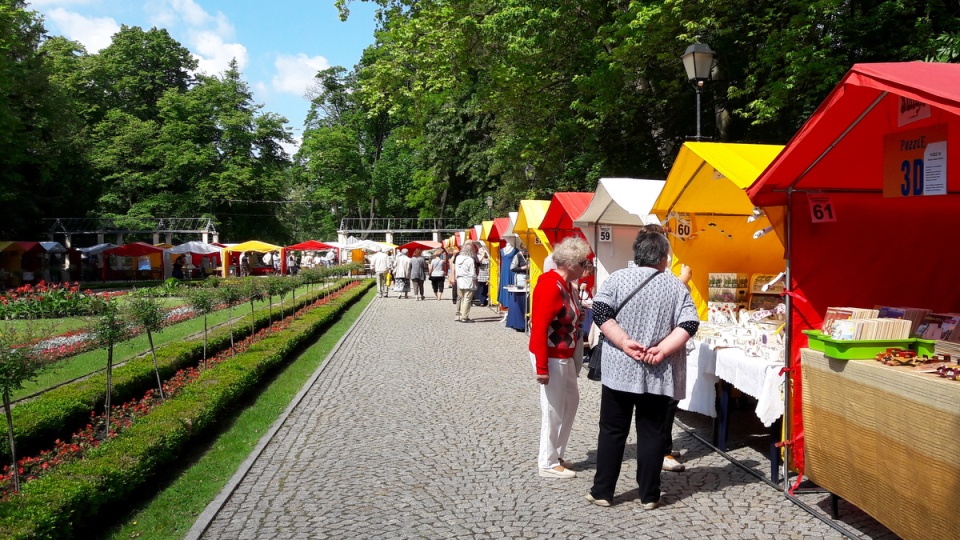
x: 91, y: 361
x: 171, y: 513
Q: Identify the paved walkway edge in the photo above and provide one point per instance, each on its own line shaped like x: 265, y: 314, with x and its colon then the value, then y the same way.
x: 210, y: 512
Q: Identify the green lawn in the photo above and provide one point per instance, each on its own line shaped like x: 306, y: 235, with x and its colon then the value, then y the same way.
x: 171, y: 513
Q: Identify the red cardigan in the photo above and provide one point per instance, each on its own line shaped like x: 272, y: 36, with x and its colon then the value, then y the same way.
x: 554, y: 321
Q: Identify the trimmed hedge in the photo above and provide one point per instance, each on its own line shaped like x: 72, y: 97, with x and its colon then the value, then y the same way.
x: 76, y: 493
x: 57, y: 414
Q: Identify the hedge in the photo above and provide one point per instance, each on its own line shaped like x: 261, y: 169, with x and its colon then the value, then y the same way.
x: 58, y: 413
x: 75, y: 493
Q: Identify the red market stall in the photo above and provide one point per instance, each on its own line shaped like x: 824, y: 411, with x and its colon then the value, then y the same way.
x: 865, y: 196
x: 152, y: 267
x: 309, y: 245
x: 565, y: 207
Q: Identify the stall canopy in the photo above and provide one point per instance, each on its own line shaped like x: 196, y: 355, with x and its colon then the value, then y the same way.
x: 527, y: 228
x: 134, y: 249
x: 849, y: 245
x: 309, y: 245
x: 422, y: 245
x: 564, y: 208
x: 53, y: 247
x: 498, y: 229
x: 97, y: 249
x: 193, y: 248
x: 610, y: 222
x: 705, y: 208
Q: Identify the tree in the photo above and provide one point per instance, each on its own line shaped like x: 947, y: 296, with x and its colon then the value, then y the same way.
x: 146, y: 312
x: 109, y: 328
x: 18, y: 364
x: 201, y: 299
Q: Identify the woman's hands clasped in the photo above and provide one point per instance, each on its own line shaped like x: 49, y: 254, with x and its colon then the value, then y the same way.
x: 648, y: 355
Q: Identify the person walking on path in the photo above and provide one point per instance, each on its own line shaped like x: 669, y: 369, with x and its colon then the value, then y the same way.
x: 401, y: 274
x: 465, y: 268
x: 556, y: 352
x: 418, y: 273
x: 438, y: 272
x: 644, y: 364
x: 381, y: 264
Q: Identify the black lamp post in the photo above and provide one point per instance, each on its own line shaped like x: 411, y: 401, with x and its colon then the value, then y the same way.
x: 489, y: 207
x: 698, y: 61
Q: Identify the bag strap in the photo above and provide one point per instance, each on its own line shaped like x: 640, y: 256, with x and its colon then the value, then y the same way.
x: 635, y: 291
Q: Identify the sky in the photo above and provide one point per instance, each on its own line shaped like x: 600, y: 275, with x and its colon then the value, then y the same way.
x: 278, y: 45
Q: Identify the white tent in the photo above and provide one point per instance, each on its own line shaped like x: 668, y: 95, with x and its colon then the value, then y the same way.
x: 53, y: 247
x: 620, y: 206
x: 97, y: 249
x: 199, y: 248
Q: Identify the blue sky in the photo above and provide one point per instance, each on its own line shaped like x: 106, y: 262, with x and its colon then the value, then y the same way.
x: 279, y: 45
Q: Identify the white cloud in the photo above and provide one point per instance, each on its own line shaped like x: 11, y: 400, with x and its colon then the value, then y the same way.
x: 93, y: 32
x: 214, y: 55
x: 291, y: 148
x: 295, y: 74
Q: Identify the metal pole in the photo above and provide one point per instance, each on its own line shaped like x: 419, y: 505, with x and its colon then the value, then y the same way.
x: 698, y: 113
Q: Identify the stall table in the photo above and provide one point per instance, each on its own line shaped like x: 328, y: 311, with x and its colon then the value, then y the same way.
x: 887, y: 439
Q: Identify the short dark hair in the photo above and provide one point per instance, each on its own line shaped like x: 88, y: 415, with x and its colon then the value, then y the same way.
x: 650, y: 248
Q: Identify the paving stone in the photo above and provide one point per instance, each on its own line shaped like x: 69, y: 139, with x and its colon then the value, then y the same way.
x: 422, y: 427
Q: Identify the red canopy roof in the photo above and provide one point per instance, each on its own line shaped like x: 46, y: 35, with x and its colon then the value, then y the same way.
x: 309, y: 245
x: 841, y: 147
x: 500, y: 225
x: 420, y: 244
x: 133, y: 249
x: 565, y: 207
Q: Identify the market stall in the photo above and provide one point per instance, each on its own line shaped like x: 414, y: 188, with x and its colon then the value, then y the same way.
x: 619, y: 207
x: 497, y: 243
x: 195, y: 266
x: 309, y: 245
x: 251, y: 246
x: 145, y: 262
x: 866, y: 191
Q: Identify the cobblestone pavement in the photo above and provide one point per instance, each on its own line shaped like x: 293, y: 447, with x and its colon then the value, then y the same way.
x: 423, y: 427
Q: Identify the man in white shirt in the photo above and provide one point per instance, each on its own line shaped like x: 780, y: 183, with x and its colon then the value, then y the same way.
x: 380, y: 264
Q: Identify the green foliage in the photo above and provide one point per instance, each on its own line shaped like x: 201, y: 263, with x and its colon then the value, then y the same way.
x: 18, y: 363
x: 145, y: 311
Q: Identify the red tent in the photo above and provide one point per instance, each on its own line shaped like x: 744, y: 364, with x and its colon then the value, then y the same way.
x: 862, y: 226
x: 500, y: 225
x: 309, y: 245
x: 422, y: 245
x: 133, y: 250
x: 565, y: 207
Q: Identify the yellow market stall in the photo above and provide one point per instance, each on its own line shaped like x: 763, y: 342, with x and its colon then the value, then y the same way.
x: 493, y: 249
x: 712, y: 223
x: 255, y: 246
x: 528, y: 230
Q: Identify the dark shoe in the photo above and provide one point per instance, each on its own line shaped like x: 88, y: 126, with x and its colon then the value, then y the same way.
x: 467, y: 320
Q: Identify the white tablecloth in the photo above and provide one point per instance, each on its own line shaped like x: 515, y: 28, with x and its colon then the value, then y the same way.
x: 751, y: 375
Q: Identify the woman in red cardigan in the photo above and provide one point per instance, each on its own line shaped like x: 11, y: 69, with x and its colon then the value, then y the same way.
x: 556, y: 351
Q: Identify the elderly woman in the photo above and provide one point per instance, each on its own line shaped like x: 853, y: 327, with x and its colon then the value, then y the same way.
x: 644, y: 364
x: 556, y: 353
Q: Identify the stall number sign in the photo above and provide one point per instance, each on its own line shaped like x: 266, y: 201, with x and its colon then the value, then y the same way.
x: 606, y: 233
x: 821, y: 208
x: 683, y: 225
x: 915, y: 162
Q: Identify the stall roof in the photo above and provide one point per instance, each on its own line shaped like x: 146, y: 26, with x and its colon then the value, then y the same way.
x: 710, y: 178
x: 565, y: 207
x: 620, y: 201
x: 840, y: 148
x: 485, y: 229
x: 200, y: 248
x: 530, y: 215
x: 253, y: 245
x: 423, y: 245
x: 133, y: 249
x: 53, y: 247
x: 97, y: 249
x: 310, y: 245
x: 499, y: 228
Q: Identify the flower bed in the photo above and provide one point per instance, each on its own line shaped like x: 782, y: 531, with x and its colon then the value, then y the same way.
x: 75, y: 493
x: 60, y: 411
x: 49, y: 300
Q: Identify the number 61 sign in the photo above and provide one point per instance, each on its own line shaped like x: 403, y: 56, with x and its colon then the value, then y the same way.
x: 821, y: 208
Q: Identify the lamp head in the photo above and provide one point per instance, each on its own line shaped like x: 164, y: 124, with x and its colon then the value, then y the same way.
x: 698, y: 61
x: 489, y: 201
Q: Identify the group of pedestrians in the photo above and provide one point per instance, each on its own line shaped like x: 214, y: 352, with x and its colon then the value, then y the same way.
x: 647, y: 316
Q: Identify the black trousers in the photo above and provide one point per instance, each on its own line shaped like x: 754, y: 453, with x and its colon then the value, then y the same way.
x: 668, y: 427
x: 616, y: 410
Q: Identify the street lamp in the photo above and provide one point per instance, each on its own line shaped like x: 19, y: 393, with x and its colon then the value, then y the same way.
x: 489, y: 207
x: 698, y: 61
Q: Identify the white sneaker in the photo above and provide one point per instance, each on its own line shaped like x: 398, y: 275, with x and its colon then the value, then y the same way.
x: 671, y: 464
x: 557, y: 472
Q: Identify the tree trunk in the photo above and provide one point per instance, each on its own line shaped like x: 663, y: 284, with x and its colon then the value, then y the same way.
x: 156, y: 370
x: 109, y: 386
x: 7, y: 408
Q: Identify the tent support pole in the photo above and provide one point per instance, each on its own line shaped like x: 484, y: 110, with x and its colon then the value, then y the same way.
x: 836, y: 141
x: 686, y: 185
x: 787, y: 348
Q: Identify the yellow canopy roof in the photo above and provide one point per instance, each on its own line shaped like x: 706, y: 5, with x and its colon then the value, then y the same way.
x: 485, y: 232
x: 530, y: 215
x: 253, y: 245
x: 710, y: 178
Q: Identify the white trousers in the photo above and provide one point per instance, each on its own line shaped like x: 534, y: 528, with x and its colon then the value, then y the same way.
x: 559, y: 400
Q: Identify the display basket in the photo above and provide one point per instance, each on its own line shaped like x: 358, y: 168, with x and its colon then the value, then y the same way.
x: 864, y: 349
